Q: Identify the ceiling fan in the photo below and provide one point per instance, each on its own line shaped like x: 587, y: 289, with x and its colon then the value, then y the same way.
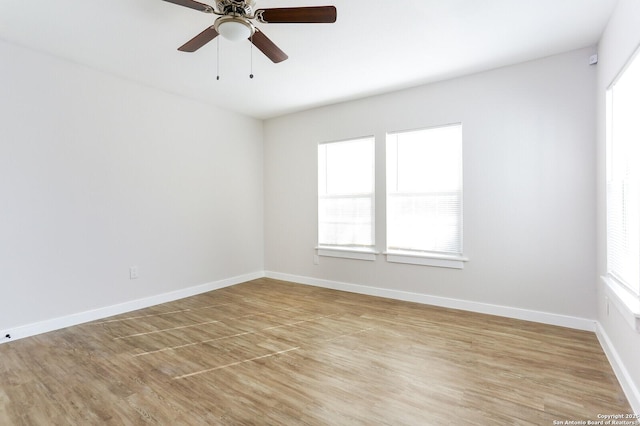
x: 234, y: 23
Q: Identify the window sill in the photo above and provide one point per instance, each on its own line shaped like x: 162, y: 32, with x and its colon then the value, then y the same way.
x: 439, y: 260
x: 625, y: 301
x: 347, y: 253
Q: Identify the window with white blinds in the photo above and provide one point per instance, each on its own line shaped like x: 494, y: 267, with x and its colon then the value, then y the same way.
x: 424, y: 191
x: 623, y: 177
x: 346, y: 194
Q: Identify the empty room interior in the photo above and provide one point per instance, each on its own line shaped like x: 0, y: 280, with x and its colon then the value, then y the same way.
x: 320, y: 212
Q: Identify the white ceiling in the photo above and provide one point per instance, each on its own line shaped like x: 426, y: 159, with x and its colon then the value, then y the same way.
x: 374, y: 47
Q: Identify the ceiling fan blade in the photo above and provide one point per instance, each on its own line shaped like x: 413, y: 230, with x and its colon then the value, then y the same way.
x: 298, y: 15
x: 267, y: 47
x: 200, y: 40
x: 193, y: 5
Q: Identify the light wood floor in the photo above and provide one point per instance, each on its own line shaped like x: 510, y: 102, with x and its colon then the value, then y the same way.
x: 270, y: 352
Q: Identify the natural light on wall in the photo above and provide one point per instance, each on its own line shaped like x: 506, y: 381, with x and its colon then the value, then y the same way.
x: 346, y: 194
x: 424, y: 192
x: 623, y: 178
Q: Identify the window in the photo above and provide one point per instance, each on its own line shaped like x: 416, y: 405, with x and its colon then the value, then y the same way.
x: 346, y: 196
x: 623, y: 178
x: 424, y: 195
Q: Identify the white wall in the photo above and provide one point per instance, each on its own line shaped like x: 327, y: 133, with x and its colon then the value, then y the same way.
x: 98, y: 173
x: 529, y: 189
x: 620, y: 39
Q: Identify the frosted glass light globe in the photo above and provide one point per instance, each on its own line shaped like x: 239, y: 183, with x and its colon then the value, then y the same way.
x: 234, y: 29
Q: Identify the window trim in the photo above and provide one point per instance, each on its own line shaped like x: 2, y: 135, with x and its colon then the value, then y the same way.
x: 626, y: 296
x: 347, y: 251
x: 627, y: 303
x: 427, y: 258
x: 356, y: 253
x: 442, y: 260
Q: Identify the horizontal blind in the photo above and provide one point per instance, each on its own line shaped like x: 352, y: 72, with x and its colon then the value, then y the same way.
x: 346, y: 193
x: 623, y: 237
x: 425, y: 222
x: 424, y: 190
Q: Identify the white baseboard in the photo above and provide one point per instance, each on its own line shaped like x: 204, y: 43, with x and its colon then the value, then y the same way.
x: 445, y: 302
x: 631, y: 390
x: 28, y: 330
x: 629, y: 387
x: 107, y: 311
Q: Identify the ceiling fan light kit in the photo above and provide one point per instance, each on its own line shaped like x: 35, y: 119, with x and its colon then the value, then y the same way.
x: 234, y: 23
x: 234, y: 28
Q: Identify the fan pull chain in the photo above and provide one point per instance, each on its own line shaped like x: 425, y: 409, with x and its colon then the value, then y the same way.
x: 251, y: 57
x: 218, y: 60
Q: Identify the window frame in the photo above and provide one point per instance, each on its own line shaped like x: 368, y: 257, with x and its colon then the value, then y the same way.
x: 624, y: 296
x: 427, y: 257
x: 358, y: 252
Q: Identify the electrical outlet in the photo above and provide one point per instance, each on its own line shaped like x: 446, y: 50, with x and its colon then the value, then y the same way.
x: 134, y: 273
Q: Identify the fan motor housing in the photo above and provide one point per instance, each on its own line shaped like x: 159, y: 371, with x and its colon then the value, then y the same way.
x: 235, y: 7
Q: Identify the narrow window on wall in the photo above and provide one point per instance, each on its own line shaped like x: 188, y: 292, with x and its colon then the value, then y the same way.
x: 424, y: 196
x: 623, y: 178
x: 346, y: 198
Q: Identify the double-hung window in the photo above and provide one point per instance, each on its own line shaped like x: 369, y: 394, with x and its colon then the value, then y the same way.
x: 346, y: 198
x: 623, y: 178
x: 424, y: 196
x: 623, y: 193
